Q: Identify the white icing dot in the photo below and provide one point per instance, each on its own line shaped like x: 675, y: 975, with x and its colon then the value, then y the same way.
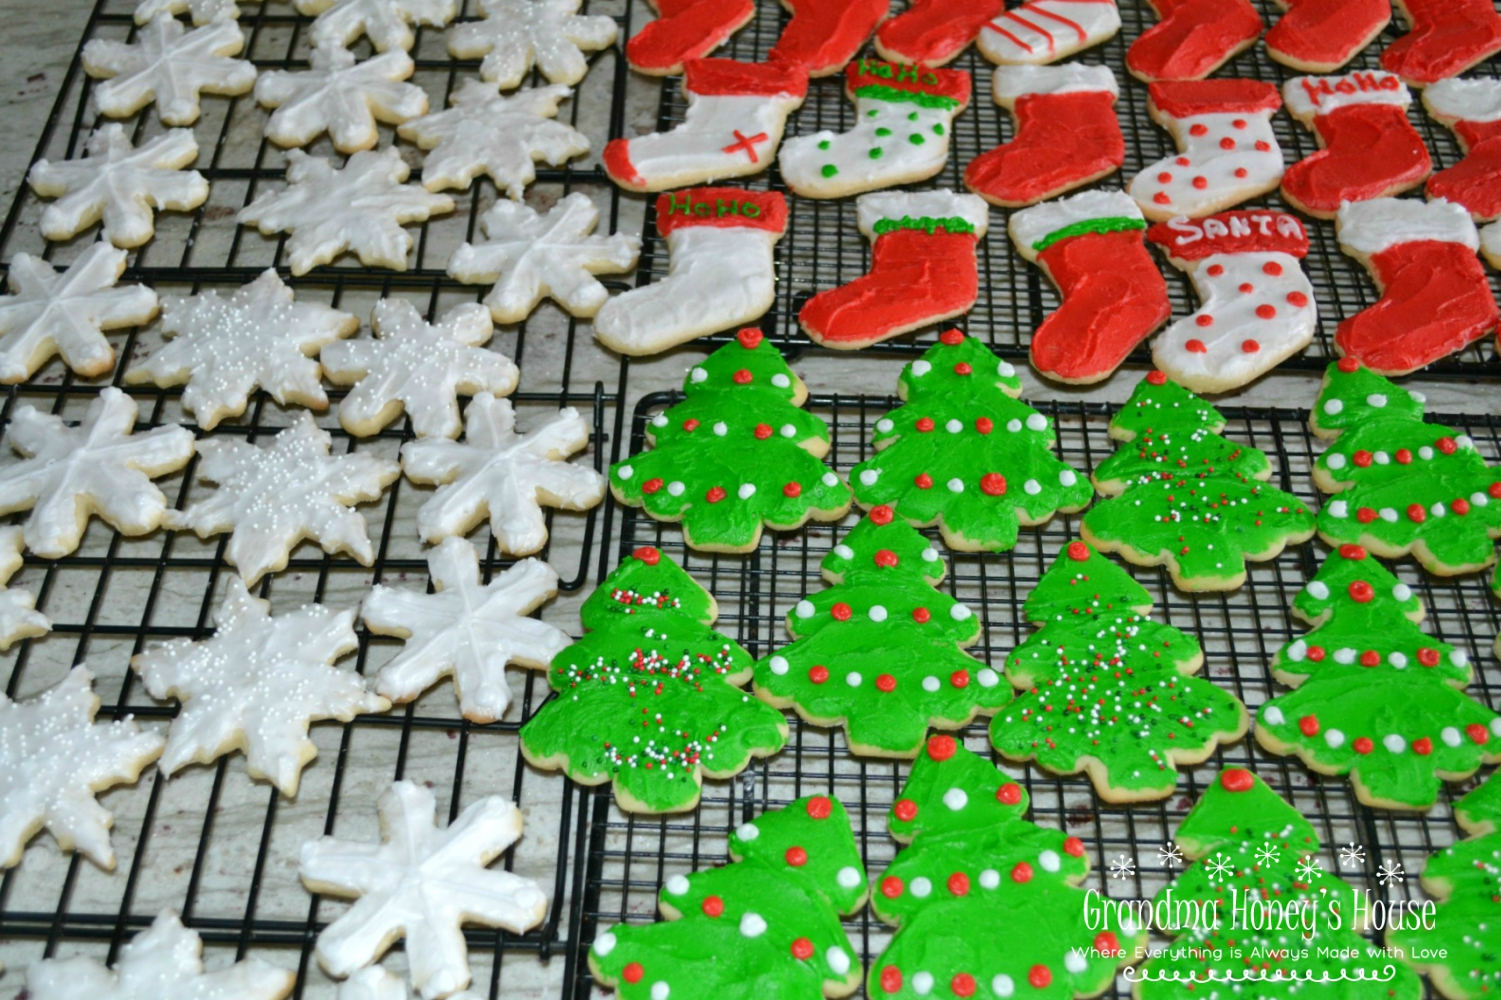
x: 883, y: 425
x: 660, y: 420
x: 1451, y: 736
x: 1319, y: 590
x: 746, y: 490
x: 1394, y: 743
x: 1297, y: 651
x: 1032, y: 486
x: 1339, y: 509
x: 921, y: 887
x: 1398, y: 660
x: 1273, y: 715
x: 931, y: 683
x: 1402, y: 592
x: 660, y: 990
x: 959, y: 612
x: 1068, y: 477
x: 990, y: 878
x: 1345, y: 655
x: 869, y: 477
x: 929, y: 555
x: 780, y: 381
x: 778, y: 664
x: 788, y: 431
x: 1334, y: 738
x: 877, y: 613
x: 1376, y: 399
x: 1464, y: 441
x: 1426, y: 453
x: 1050, y: 861
x: 1336, y: 461
x: 921, y: 368
x: 1013, y: 425
x: 988, y: 678
x: 1003, y: 986
x: 804, y: 609
x: 721, y: 428
x: 853, y: 678
x: 838, y: 960
x: 1459, y: 658
x: 1382, y: 458
x: 625, y: 472
x: 953, y: 426
x: 922, y: 983
x: 747, y: 831
x: 955, y: 799
x: 677, y: 885
x: 698, y: 375
x: 675, y: 488
x: 1389, y: 514
x: 1334, y: 406
x: 956, y: 485
x: 844, y: 551
x: 1496, y: 726
x: 1037, y: 422
x: 1479, y: 499
x: 1005, y: 369
x: 752, y: 925
x: 604, y: 944
x: 1417, y: 397
x: 849, y: 877
x: 1075, y: 962
x: 829, y: 479
x: 1438, y: 509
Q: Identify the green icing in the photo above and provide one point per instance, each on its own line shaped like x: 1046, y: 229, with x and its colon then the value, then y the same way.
x: 1108, y: 224
x: 881, y: 92
x: 1106, y: 689
x: 829, y: 170
x: 737, y: 454
x: 1356, y: 406
x: 880, y: 651
x: 1170, y: 428
x: 926, y: 224
x: 648, y: 698
x: 1480, y: 811
x: 765, y: 925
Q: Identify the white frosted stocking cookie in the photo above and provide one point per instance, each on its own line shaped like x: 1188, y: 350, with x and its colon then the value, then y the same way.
x: 518, y: 34
x: 360, y: 207
x: 423, y: 882
x: 256, y: 685
x: 54, y: 758
x: 169, y: 65
x: 1045, y: 31
x: 507, y: 475
x: 417, y: 366
x: 342, y: 97
x: 19, y: 618
x: 120, y: 184
x: 66, y: 313
x: 485, y: 133
x: 223, y: 348
x: 530, y: 257
x: 466, y: 630
x: 99, y: 467
x: 388, y: 23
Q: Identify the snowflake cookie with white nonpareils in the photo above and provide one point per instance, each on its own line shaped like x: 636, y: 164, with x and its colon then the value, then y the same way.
x: 120, y: 184
x: 465, y: 629
x: 423, y: 882
x: 54, y: 758
x: 256, y: 685
x: 168, y: 65
x: 517, y: 34
x: 360, y: 207
x: 376, y: 982
x: 223, y: 348
x: 483, y: 132
x: 417, y: 366
x: 163, y: 963
x: 272, y: 498
x: 67, y: 313
x: 342, y: 97
x: 387, y: 23
x: 99, y: 467
x: 19, y: 618
x: 530, y: 257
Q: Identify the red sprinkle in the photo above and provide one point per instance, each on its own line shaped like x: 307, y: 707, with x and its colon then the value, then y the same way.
x: 742, y: 377
x: 715, y: 494
x: 763, y: 431
x: 984, y: 425
x: 1364, y: 745
x: 818, y: 674
x: 882, y: 514
x: 885, y: 557
x: 820, y: 807
x: 1022, y: 872
x: 1348, y: 365
x: 1157, y: 377
x: 652, y: 485
x: 802, y: 948
x: 632, y: 973
x: 1361, y: 592
x: 841, y: 612
x: 891, y: 979
x: 891, y: 886
x: 963, y: 984
x: 1309, y: 725
x: 1422, y: 746
x: 959, y: 678
x: 940, y: 748
x: 796, y: 856
x: 1428, y: 656
x: 951, y: 337
x: 906, y: 809
x: 1237, y: 779
x: 959, y: 884
x: 713, y: 906
x: 886, y: 683
x: 1009, y: 794
x: 1194, y: 346
x: 993, y: 484
x: 1478, y: 733
x: 648, y: 555
x: 1040, y: 976
x: 792, y: 490
x: 921, y: 615
x: 750, y: 338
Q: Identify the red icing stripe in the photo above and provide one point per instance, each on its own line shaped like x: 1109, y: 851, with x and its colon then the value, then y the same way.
x: 1202, y: 97
x: 951, y: 83
x: 731, y: 77
x: 1245, y: 231
x: 823, y: 35
x: 932, y: 32
x: 723, y: 207
x: 686, y: 29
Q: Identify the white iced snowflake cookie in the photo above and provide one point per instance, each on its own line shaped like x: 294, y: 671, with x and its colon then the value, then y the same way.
x: 201, y: 11
x: 467, y: 630
x: 170, y: 65
x: 423, y: 882
x: 119, y: 184
x: 256, y: 685
x: 274, y: 497
x: 163, y: 963
x: 417, y: 366
x: 484, y: 133
x: 517, y: 34
x: 67, y: 313
x: 388, y: 23
x: 508, y: 476
x: 530, y: 257
x: 360, y: 207
x: 376, y: 982
x: 342, y: 97
x: 19, y: 618
x: 99, y: 467
x: 223, y: 348
x: 53, y: 758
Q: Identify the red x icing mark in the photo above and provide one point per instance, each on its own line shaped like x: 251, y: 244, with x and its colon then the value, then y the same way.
x: 747, y: 144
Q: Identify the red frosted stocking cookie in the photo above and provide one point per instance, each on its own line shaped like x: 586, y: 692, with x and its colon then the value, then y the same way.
x: 733, y: 126
x: 1434, y: 295
x: 1320, y: 36
x: 824, y: 35
x: 922, y: 269
x: 1472, y: 109
x: 1091, y: 247
x: 1193, y: 39
x: 1066, y: 134
x: 1258, y: 306
x: 683, y: 30
x: 1368, y: 148
x: 1445, y: 38
x: 934, y: 32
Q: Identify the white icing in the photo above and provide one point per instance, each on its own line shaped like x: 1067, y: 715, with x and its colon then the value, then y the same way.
x: 955, y: 799
x: 1402, y: 592
x: 940, y: 204
x: 1011, y: 82
x: 341, y: 97
x: 1297, y: 651
x: 1334, y: 738
x: 838, y: 959
x: 1042, y: 31
x: 884, y: 425
x: 1068, y: 477
x: 844, y: 551
x: 1209, y: 160
x: 1075, y: 962
x: 920, y: 367
x: 1398, y: 660
x: 1394, y: 743
x: 954, y: 426
x: 931, y: 683
x: 804, y: 609
x: 922, y: 983
x: 1309, y: 96
x: 1050, y: 861
x: 516, y: 34
x: 747, y: 831
x: 902, y: 159
x: 1376, y: 400
x: 1388, y: 514
x: 1339, y: 509
x: 1345, y: 655
x: 1369, y: 227
x: 170, y: 65
x: 677, y: 885
x: 1003, y: 986
x: 1464, y: 100
x: 1335, y: 460
x: 19, y: 618
x: 877, y: 613
x: 921, y: 887
x: 929, y: 555
x: 660, y: 990
x: 711, y: 142
x: 1037, y: 422
x: 202, y: 11
x: 781, y: 382
x: 956, y: 485
x: 1496, y: 726
x: 1319, y: 590
x: 1273, y: 715
x: 676, y: 488
x: 1334, y: 407
x: 778, y: 665
x: 604, y: 944
x: 388, y: 23
x: 1451, y: 736
x: 849, y: 877
x: 1032, y: 225
x: 752, y: 925
x: 853, y: 678
x: 1032, y: 487
x: 960, y: 612
x: 988, y: 678
x: 868, y: 477
x: 990, y: 879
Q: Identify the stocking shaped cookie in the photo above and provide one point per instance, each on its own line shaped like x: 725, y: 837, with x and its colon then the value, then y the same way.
x: 934, y: 32
x: 1320, y: 36
x: 922, y: 269
x: 1258, y: 306
x: 684, y: 30
x: 1227, y: 152
x: 1091, y: 247
x: 1445, y: 38
x: 1472, y: 109
x: 733, y: 126
x: 824, y: 35
x: 1435, y: 298
x: 1193, y: 39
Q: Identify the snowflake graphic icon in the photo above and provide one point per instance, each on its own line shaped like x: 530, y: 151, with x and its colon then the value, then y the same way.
x: 1122, y: 867
x: 1169, y: 854
x: 1219, y: 867
x: 1268, y: 854
x: 1390, y: 872
x: 1352, y: 856
x: 1309, y: 869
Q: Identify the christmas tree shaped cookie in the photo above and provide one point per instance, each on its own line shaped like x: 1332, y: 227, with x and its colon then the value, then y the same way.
x: 973, y: 867
x: 649, y: 700
x: 1400, y: 485
x: 879, y: 652
x: 1377, y: 698
x: 765, y: 925
x: 1105, y: 689
x: 964, y: 453
x: 1181, y: 495
x: 738, y: 453
x: 1255, y: 850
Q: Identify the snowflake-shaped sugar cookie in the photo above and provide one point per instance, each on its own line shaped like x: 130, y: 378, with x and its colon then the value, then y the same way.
x: 361, y: 207
x: 53, y: 758
x: 19, y: 618
x: 274, y: 497
x: 419, y: 367
x: 223, y: 348
x: 506, y: 475
x: 163, y: 963
x: 379, y: 983
x: 388, y: 23
x: 202, y: 11
x: 66, y: 313
x: 530, y: 256
x: 516, y: 34
x: 99, y: 467
x: 483, y: 132
x: 422, y: 882
x: 342, y: 97
x: 170, y: 65
x: 120, y: 184
x: 256, y: 685
x: 466, y: 629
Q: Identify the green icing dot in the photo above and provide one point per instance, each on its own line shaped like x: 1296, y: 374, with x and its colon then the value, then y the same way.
x: 875, y: 154
x: 829, y: 170
x: 824, y: 144
x: 916, y: 139
x: 938, y: 129
x: 912, y: 117
x: 873, y: 112
x: 883, y: 131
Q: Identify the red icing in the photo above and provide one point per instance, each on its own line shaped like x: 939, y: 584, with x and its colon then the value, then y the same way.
x: 762, y: 432
x: 742, y: 377
x: 951, y: 338
x: 1106, y: 943
x: 959, y: 884
x: 818, y: 673
x: 685, y: 29
x: 1156, y: 377
x: 891, y: 886
x: 1428, y: 656
x: 1074, y: 847
x: 984, y: 425
x: 731, y: 77
x: 906, y: 810
x: 648, y: 555
x: 841, y: 612
x: 921, y: 615
x: 885, y: 683
x: 617, y: 161
x: 950, y: 83
x: 820, y: 807
x: 1193, y: 38
x: 1040, y: 976
x: 802, y: 948
x: 1350, y: 551
x: 1078, y: 551
x: 886, y: 557
x: 1348, y: 365
x: 1237, y: 779
x: 1422, y: 746
x: 632, y: 973
x: 1184, y: 100
x: 1363, y: 745
x: 1060, y: 142
x: 959, y: 678
x: 1009, y: 794
x: 882, y: 514
x: 1477, y: 733
x: 723, y: 207
x: 932, y: 32
x: 1370, y: 151
x: 1309, y: 725
x: 941, y: 748
x: 750, y: 338
x: 823, y: 35
x: 1022, y: 872
x: 713, y: 906
x: 1370, y: 658
x: 993, y: 484
x: 891, y: 979
x: 1447, y: 37
x: 796, y: 856
x: 1325, y: 33
x: 1475, y: 181
x: 715, y: 494
x: 1361, y: 592
x: 792, y: 490
x: 963, y: 984
x: 1244, y: 231
x: 652, y: 485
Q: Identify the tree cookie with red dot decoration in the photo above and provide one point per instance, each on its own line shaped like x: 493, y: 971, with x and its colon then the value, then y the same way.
x: 765, y: 925
x: 738, y: 453
x: 972, y: 865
